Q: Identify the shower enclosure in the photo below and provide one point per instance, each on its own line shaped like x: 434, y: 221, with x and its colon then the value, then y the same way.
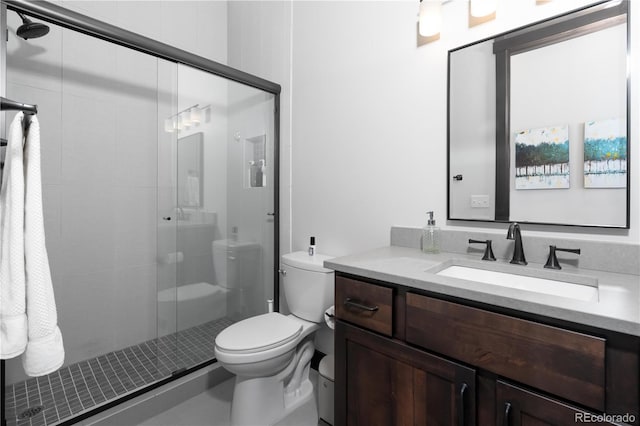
x: 160, y: 177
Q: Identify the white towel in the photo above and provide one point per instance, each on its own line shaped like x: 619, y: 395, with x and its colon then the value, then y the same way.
x: 13, y: 318
x: 44, y: 351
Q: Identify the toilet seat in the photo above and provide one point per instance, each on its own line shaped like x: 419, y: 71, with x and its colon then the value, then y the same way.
x: 257, y: 338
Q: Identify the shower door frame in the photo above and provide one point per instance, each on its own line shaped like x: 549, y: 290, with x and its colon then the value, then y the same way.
x: 78, y: 22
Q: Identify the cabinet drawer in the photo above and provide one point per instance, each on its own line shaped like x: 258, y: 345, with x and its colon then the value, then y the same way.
x: 568, y: 364
x: 364, y: 304
x: 517, y: 406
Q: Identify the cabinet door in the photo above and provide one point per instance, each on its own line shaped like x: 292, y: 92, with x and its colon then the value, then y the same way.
x: 518, y: 407
x: 380, y: 389
x: 441, y: 399
x: 389, y: 383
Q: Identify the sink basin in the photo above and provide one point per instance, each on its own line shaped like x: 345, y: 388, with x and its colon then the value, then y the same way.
x: 546, y: 282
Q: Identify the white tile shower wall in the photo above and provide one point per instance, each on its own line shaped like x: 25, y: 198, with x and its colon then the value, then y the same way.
x: 259, y: 35
x: 98, y: 109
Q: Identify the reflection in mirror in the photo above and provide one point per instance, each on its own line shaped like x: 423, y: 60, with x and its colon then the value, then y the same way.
x: 576, y: 80
x: 190, y: 171
x: 538, y: 134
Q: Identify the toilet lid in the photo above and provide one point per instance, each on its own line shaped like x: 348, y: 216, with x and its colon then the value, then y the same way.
x: 258, y: 333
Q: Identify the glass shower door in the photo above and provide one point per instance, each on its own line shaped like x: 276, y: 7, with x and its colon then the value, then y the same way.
x: 218, y: 172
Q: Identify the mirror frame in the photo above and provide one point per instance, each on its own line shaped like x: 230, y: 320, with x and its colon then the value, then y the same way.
x: 538, y: 34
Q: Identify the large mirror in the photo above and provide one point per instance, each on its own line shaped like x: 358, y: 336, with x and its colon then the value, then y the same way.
x: 538, y: 122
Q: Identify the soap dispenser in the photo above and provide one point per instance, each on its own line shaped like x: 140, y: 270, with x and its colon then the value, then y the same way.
x: 431, y: 236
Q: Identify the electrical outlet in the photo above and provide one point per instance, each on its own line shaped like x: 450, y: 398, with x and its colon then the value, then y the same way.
x: 479, y: 201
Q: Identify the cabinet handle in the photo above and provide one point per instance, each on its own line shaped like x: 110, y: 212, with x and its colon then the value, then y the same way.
x: 507, y: 411
x: 350, y: 302
x: 461, y: 420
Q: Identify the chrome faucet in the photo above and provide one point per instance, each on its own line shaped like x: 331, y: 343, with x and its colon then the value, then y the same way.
x: 518, y: 252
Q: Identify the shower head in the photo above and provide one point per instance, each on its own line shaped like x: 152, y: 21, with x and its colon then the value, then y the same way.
x: 30, y: 29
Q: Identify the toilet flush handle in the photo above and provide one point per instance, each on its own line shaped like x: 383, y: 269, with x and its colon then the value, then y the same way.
x: 282, y: 272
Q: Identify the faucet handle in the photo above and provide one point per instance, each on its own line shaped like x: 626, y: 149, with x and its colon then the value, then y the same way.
x: 488, y: 251
x: 552, y: 260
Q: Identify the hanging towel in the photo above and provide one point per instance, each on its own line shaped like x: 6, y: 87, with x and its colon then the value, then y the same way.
x: 13, y: 318
x: 30, y: 324
x: 45, y: 351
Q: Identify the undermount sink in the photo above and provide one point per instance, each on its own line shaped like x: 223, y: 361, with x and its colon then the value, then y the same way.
x: 553, y: 283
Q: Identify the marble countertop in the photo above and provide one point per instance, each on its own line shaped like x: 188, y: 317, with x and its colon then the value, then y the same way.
x: 617, y: 307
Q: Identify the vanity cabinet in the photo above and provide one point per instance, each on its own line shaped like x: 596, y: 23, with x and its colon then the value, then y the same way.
x: 399, y: 385
x: 405, y: 357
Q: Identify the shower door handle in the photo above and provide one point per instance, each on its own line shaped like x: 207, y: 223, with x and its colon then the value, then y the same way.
x: 271, y: 214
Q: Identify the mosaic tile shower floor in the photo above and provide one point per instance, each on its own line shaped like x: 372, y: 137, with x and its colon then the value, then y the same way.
x: 79, y: 387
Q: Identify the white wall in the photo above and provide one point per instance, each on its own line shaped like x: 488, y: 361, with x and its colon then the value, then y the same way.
x: 369, y: 118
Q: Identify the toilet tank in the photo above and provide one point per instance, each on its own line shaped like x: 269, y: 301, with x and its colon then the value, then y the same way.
x: 308, y: 286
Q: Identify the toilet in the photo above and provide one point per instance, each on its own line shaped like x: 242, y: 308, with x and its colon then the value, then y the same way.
x: 270, y: 353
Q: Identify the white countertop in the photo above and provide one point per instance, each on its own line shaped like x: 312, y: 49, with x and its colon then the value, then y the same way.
x: 618, y: 307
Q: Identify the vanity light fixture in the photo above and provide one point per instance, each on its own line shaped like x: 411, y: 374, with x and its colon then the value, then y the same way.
x: 430, y: 18
x: 482, y: 8
x: 184, y: 119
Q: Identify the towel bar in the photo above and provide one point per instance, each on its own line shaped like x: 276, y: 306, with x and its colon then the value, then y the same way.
x: 8, y: 104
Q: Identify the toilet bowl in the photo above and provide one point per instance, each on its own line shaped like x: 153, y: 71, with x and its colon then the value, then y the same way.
x: 270, y: 354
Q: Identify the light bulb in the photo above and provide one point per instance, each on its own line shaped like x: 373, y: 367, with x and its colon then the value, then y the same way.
x: 430, y: 17
x: 168, y: 125
x: 186, y: 119
x: 194, y: 115
x: 482, y: 8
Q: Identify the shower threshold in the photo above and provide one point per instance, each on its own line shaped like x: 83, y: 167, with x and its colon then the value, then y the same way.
x: 82, y: 387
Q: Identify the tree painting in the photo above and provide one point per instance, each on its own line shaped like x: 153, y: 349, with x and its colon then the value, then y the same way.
x: 542, y: 158
x: 605, y: 154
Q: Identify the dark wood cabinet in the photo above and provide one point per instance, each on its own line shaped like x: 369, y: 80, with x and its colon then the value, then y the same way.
x: 512, y: 347
x: 381, y: 388
x: 406, y: 358
x: 389, y: 383
x: 519, y: 407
